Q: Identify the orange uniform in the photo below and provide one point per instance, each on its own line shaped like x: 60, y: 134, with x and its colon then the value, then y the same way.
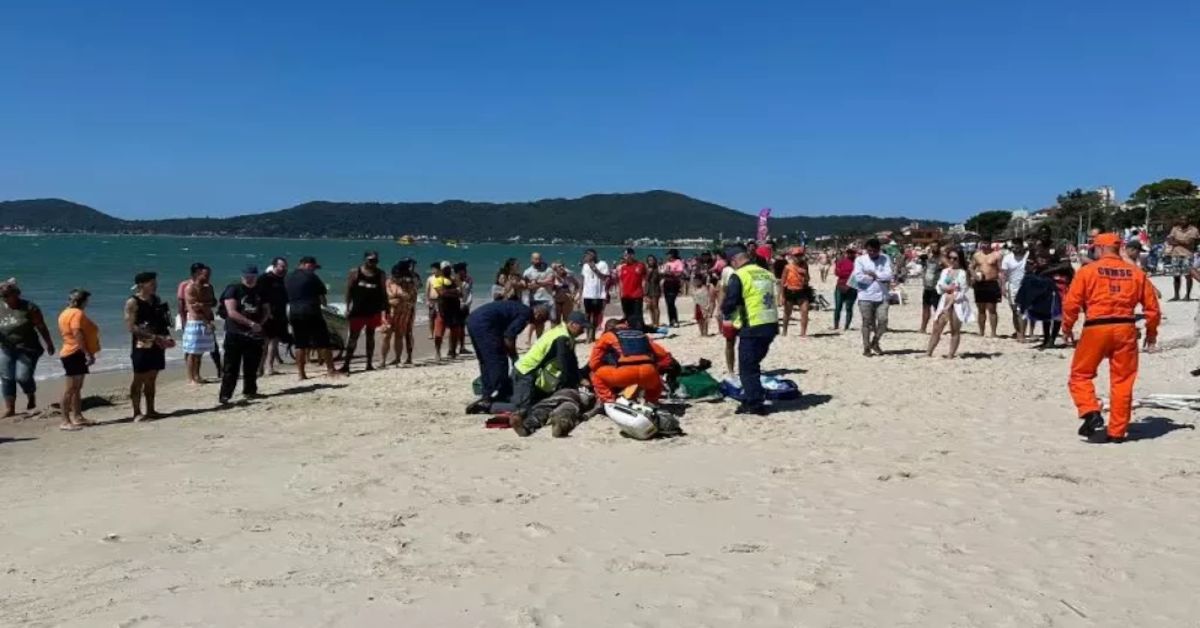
x: 625, y: 357
x: 1108, y: 292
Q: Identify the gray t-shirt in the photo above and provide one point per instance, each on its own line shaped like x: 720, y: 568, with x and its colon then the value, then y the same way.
x: 930, y: 274
x: 532, y: 275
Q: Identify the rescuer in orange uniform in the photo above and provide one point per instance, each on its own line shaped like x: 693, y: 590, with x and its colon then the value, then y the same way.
x: 1108, y: 291
x: 623, y: 357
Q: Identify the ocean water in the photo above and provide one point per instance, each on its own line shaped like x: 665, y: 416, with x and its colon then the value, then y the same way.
x: 50, y: 266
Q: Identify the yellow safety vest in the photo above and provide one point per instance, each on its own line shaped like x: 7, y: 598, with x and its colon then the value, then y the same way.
x: 758, y: 297
x: 547, y: 376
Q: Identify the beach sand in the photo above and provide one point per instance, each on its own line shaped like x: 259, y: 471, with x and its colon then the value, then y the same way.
x: 901, y: 491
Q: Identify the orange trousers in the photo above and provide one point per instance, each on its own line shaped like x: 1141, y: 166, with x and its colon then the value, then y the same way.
x: 610, y: 380
x: 1119, y: 344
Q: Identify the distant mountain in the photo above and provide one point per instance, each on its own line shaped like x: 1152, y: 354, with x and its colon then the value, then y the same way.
x: 594, y: 218
x: 56, y: 215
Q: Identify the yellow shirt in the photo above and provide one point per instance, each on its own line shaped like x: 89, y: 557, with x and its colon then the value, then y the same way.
x: 71, y: 320
x: 437, y: 283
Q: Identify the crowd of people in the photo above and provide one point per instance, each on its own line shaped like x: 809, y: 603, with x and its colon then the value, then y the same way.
x: 749, y: 292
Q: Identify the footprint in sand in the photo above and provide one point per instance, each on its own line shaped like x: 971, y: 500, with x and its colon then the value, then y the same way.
x: 536, y: 618
x: 535, y: 530
x: 744, y: 548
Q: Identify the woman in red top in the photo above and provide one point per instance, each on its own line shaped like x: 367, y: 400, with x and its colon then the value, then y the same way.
x: 844, y: 294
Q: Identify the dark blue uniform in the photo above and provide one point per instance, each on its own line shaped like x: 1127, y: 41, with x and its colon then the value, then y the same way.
x: 489, y: 326
x: 753, y: 344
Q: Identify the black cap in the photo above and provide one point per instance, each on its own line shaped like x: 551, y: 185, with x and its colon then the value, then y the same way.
x: 145, y: 277
x: 371, y: 255
x: 250, y: 269
x: 308, y: 259
x: 197, y: 267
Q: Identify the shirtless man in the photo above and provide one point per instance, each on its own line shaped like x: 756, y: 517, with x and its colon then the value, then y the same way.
x: 985, y: 266
x: 199, y: 331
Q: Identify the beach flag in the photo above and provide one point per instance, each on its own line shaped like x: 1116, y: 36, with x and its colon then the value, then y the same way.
x: 763, y: 215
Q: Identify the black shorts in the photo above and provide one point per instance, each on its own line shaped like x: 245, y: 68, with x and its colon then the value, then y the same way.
x: 593, y: 306
x: 148, y: 360
x: 75, y: 364
x: 796, y: 297
x: 987, y: 291
x: 309, y: 331
x: 276, y: 329
x: 930, y: 297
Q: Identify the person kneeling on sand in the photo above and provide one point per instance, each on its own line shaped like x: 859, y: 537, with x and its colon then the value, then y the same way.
x: 494, y: 330
x: 550, y: 365
x: 623, y: 357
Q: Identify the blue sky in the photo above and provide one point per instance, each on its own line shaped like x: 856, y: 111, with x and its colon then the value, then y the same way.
x: 925, y: 108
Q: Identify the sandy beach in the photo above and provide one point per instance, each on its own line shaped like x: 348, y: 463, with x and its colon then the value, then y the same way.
x: 900, y: 491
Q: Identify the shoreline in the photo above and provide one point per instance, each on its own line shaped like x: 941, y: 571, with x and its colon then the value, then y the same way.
x: 113, y: 384
x: 378, y: 496
x: 386, y: 239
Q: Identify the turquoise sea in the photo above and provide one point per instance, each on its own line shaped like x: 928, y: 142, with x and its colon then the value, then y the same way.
x: 50, y: 266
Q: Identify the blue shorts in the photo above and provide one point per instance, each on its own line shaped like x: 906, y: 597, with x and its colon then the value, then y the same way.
x: 198, y: 338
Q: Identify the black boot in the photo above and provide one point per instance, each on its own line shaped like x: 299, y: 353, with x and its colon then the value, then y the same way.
x: 480, y: 406
x: 1092, y: 422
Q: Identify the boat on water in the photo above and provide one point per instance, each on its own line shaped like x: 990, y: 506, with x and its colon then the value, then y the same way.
x: 405, y: 241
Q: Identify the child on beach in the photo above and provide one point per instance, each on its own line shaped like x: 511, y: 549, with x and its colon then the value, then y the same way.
x: 704, y: 295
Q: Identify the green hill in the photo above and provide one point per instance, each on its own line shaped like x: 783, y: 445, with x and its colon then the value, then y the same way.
x: 595, y: 218
x: 56, y: 215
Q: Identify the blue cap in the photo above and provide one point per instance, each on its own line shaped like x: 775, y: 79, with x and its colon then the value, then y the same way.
x: 734, y: 250
x: 579, y: 318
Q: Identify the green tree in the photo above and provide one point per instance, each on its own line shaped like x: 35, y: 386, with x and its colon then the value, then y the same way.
x: 989, y: 224
x: 1164, y: 189
x: 1077, y: 208
x: 1169, y: 200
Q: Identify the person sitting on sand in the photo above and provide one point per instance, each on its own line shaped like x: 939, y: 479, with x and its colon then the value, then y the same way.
x: 148, y: 321
x: 548, y: 366
x: 625, y: 356
x: 21, y: 323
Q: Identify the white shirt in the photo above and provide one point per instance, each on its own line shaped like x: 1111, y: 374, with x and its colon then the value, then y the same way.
x: 872, y: 290
x: 726, y: 273
x: 533, y: 275
x: 593, y: 286
x: 468, y: 294
x: 1013, y: 270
